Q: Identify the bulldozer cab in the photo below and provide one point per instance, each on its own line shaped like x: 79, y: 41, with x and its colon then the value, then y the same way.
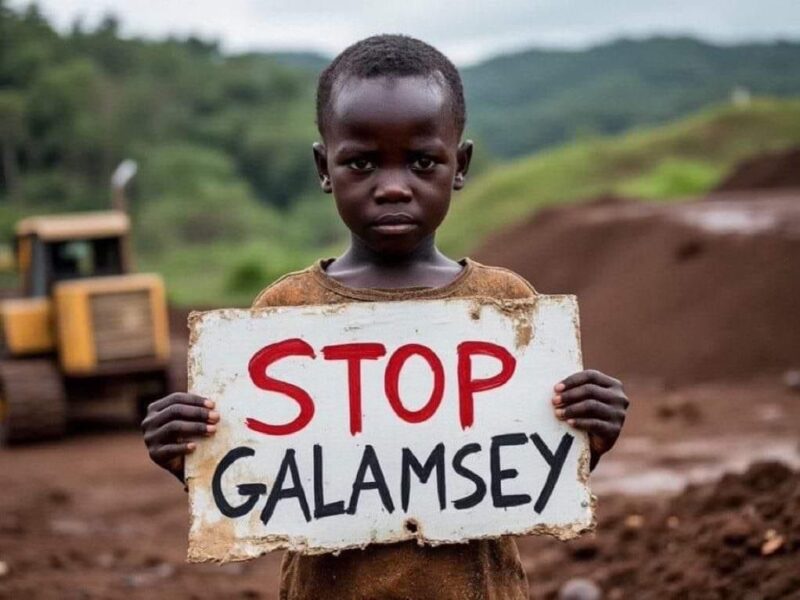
x: 60, y: 248
x: 80, y: 301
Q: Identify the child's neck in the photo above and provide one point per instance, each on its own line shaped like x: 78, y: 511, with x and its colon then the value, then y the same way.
x: 363, y: 267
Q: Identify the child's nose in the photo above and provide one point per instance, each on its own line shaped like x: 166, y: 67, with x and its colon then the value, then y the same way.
x: 392, y: 186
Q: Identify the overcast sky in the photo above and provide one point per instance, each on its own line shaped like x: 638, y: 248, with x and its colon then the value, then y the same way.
x: 466, y: 30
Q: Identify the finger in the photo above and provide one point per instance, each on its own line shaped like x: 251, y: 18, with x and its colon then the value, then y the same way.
x: 585, y: 392
x: 175, y: 430
x: 590, y: 409
x: 587, y: 376
x: 180, y: 398
x: 595, y: 426
x: 169, y: 452
x: 181, y: 412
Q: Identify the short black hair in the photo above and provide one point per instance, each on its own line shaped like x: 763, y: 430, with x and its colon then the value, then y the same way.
x: 392, y: 56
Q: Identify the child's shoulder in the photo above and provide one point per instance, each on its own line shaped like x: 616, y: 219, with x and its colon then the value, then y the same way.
x: 293, y: 289
x: 497, y: 282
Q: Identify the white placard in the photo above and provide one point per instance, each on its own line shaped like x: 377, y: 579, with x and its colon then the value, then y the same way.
x: 352, y: 424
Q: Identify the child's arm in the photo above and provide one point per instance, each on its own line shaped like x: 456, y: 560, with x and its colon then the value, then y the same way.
x: 171, y: 423
x: 596, y: 403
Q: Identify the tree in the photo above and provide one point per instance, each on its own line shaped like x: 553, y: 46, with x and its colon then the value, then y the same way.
x: 12, y: 128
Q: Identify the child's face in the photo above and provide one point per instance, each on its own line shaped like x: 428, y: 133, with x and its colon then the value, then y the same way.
x: 391, y: 157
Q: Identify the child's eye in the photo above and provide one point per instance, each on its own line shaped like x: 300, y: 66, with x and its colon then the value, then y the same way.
x: 361, y: 164
x: 423, y: 163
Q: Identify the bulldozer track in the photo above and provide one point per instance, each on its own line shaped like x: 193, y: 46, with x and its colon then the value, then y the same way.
x: 34, y: 401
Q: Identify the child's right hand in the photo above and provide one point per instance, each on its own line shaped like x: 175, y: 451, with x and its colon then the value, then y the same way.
x: 171, y: 423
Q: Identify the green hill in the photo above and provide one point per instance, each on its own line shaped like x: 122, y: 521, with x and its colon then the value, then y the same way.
x: 677, y: 160
x: 525, y: 101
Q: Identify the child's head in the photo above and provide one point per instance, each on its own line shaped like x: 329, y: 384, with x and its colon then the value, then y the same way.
x: 390, y: 110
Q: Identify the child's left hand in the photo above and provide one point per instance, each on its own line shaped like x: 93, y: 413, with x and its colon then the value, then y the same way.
x: 595, y: 403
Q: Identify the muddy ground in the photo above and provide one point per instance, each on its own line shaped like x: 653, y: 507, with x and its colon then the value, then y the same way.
x: 91, y: 517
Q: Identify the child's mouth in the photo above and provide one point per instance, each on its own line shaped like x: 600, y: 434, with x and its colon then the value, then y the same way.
x: 394, y: 224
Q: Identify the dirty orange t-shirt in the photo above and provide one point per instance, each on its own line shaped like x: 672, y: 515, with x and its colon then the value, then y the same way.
x: 480, y: 569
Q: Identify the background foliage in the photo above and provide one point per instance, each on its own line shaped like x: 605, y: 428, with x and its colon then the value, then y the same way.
x: 227, y: 198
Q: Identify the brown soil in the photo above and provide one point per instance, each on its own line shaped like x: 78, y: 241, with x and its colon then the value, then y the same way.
x: 771, y: 170
x: 683, y: 292
x: 91, y: 517
x: 736, y: 538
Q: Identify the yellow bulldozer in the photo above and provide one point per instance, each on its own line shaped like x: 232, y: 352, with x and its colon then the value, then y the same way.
x: 85, y: 327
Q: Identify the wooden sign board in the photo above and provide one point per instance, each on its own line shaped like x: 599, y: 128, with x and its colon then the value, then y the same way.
x: 353, y: 424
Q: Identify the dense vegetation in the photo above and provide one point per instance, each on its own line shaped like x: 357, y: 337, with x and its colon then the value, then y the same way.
x: 223, y: 143
x: 227, y: 199
x: 526, y: 101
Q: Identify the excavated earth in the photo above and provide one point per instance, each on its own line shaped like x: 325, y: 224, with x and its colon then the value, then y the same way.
x: 691, y: 291
x: 779, y: 169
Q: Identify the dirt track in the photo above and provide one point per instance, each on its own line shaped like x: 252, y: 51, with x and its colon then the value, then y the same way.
x: 90, y: 517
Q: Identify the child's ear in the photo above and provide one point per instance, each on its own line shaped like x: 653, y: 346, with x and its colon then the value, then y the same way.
x: 321, y: 162
x: 463, y: 158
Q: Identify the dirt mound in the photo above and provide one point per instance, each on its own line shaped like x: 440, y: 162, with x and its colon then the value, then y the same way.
x: 683, y: 292
x: 771, y: 170
x: 736, y: 538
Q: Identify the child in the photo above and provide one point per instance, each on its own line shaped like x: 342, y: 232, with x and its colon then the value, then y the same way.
x: 390, y: 112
